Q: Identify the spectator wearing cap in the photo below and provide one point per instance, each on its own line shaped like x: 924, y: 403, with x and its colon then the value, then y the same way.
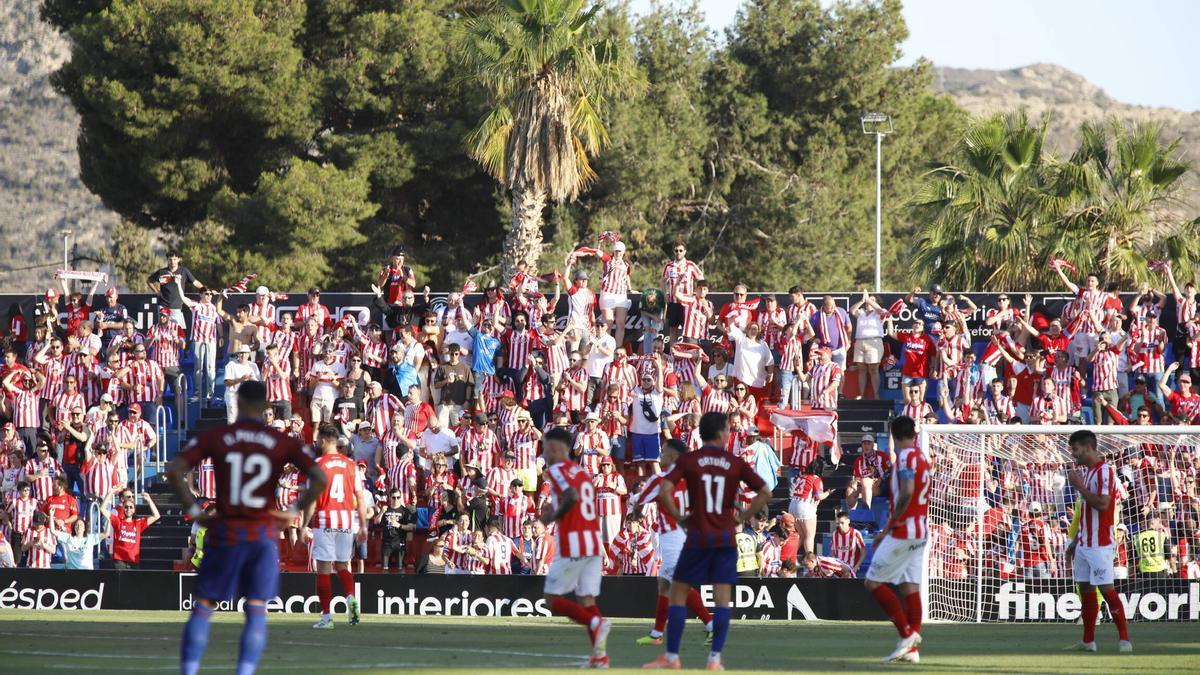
x: 928, y: 310
x: 313, y: 309
x: 1035, y: 539
x: 581, y: 305
x: 168, y: 283
x: 789, y: 540
x: 870, y: 467
x: 1184, y: 404
x: 240, y: 369
x: 396, y: 278
x: 364, y: 446
x: 399, y: 375
x: 264, y: 316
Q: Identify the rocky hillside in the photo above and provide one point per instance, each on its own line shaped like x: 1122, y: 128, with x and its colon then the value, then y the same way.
x: 40, y: 191
x: 1071, y: 100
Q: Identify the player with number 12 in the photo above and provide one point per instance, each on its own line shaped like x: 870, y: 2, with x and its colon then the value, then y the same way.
x: 241, y: 557
x: 712, y: 475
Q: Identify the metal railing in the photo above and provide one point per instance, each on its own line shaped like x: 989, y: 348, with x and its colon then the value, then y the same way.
x: 139, y: 475
x: 160, y: 432
x: 96, y: 523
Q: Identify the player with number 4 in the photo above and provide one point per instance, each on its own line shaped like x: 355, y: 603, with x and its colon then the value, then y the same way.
x: 713, y: 477
x: 337, y: 519
x: 241, y: 557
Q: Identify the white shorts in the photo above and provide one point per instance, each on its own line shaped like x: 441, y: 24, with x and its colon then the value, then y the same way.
x: 898, y: 561
x: 580, y: 576
x: 803, y: 509
x: 614, y: 300
x: 670, y: 545
x: 1094, y: 565
x: 868, y: 350
x: 332, y: 545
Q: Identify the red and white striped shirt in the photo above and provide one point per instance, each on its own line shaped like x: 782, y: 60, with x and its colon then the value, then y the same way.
x: 1149, y: 348
x: 525, y: 445
x: 100, y: 476
x: 592, y: 446
x: 265, y: 311
x: 143, y: 378
x: 609, y: 487
x: 380, y: 410
x: 164, y: 342
x: 772, y: 322
x: 480, y: 447
x: 715, y: 400
x: 679, y: 278
x: 615, y: 277
x: 54, y: 370
x: 43, y: 548
x: 791, y: 354
x: 287, y: 490
x: 498, y: 481
x: 662, y: 523
x: 206, y: 478
x: 820, y: 378
x: 1096, y: 526
x: 634, y: 551
x: 572, y: 399
x: 696, y: 317
x: 43, y: 486
x: 457, y: 544
x: 1185, y: 308
x: 64, y: 403
x: 499, y: 551
x: 801, y: 314
x: 916, y: 411
x: 1104, y: 370
x: 513, y: 509
x: 577, y: 533
x: 624, y: 376
x: 374, y: 354
x: 286, y: 341
x: 206, y: 323
x: 802, y: 451
x: 848, y: 546
x: 911, y: 464
x: 26, y: 408
x: 999, y: 409
x: 830, y: 568
x: 402, y: 476
x: 20, y: 513
x: 277, y: 376
x: 770, y: 551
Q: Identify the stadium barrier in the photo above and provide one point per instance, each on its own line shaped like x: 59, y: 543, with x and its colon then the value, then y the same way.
x: 517, y: 596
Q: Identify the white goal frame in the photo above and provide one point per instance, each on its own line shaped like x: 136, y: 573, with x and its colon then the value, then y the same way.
x: 1063, y: 430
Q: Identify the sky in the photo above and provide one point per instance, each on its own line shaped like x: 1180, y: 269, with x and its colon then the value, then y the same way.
x: 1144, y: 52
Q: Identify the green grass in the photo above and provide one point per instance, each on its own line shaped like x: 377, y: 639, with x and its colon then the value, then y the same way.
x: 110, y: 641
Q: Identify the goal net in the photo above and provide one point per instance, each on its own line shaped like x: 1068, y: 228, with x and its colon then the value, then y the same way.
x: 1000, y: 507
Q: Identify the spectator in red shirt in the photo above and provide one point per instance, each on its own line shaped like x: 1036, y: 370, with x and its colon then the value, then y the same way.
x: 789, y: 547
x: 918, y: 351
x: 127, y: 530
x: 61, y: 506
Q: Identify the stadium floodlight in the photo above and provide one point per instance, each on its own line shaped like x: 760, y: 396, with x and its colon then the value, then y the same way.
x: 879, y: 125
x: 66, y: 235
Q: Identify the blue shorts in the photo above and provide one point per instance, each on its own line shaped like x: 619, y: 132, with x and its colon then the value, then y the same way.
x: 248, y: 570
x: 698, y: 566
x: 645, y: 447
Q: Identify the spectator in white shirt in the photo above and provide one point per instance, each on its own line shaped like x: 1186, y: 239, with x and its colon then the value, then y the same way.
x: 240, y: 369
x: 868, y: 343
x: 599, y: 350
x: 436, y: 440
x: 753, y: 363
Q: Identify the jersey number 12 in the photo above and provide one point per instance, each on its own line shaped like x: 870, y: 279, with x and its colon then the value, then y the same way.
x: 247, y: 474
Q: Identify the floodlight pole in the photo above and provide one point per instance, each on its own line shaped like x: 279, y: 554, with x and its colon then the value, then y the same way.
x: 880, y: 126
x: 66, y: 235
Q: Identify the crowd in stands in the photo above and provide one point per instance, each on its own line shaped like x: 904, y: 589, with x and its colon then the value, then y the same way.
x: 443, y: 406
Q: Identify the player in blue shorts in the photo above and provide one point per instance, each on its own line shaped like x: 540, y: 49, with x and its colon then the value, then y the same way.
x: 241, y: 558
x: 713, y: 476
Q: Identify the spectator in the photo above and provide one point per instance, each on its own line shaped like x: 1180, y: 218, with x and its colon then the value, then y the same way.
x: 78, y: 545
x: 168, y: 283
x: 808, y: 491
x: 679, y: 276
x: 918, y: 353
x: 325, y: 378
x: 38, y: 544
x: 237, y: 371
x: 871, y: 466
x: 927, y: 310
x: 868, y: 343
x: 831, y: 328
x: 789, y: 543
x: 397, y: 523
x: 846, y: 543
x: 435, y: 562
x: 364, y: 447
x: 436, y: 441
x: 127, y: 529
x: 7, y: 560
x: 753, y: 362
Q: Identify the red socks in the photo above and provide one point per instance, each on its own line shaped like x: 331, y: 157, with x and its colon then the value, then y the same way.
x: 1117, y: 609
x: 891, y: 606
x: 573, y: 611
x: 695, y: 604
x: 347, y: 581
x: 912, y: 603
x: 1091, y: 609
x: 660, y: 614
x: 325, y: 591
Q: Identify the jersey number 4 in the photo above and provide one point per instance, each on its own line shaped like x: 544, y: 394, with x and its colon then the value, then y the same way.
x: 714, y: 492
x: 247, y: 474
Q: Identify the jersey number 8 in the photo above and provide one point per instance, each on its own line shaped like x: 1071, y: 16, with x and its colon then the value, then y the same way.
x: 587, y: 501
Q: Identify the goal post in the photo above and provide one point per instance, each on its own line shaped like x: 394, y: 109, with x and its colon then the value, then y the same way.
x: 1000, y: 506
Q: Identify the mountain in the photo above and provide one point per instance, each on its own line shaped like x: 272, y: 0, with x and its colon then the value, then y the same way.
x: 40, y: 191
x: 1071, y: 100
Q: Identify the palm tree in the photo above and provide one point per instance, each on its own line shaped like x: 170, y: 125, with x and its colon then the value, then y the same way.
x: 1001, y: 207
x: 550, y: 75
x: 985, y: 209
x: 1120, y: 206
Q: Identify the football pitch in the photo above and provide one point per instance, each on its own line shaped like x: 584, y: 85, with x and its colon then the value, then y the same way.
x: 115, y: 641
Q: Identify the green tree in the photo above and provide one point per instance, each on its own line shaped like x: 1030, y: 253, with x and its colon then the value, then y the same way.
x: 1000, y: 206
x: 550, y: 76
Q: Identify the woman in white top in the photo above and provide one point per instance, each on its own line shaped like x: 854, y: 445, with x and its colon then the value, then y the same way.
x: 79, y: 546
x: 868, y: 343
